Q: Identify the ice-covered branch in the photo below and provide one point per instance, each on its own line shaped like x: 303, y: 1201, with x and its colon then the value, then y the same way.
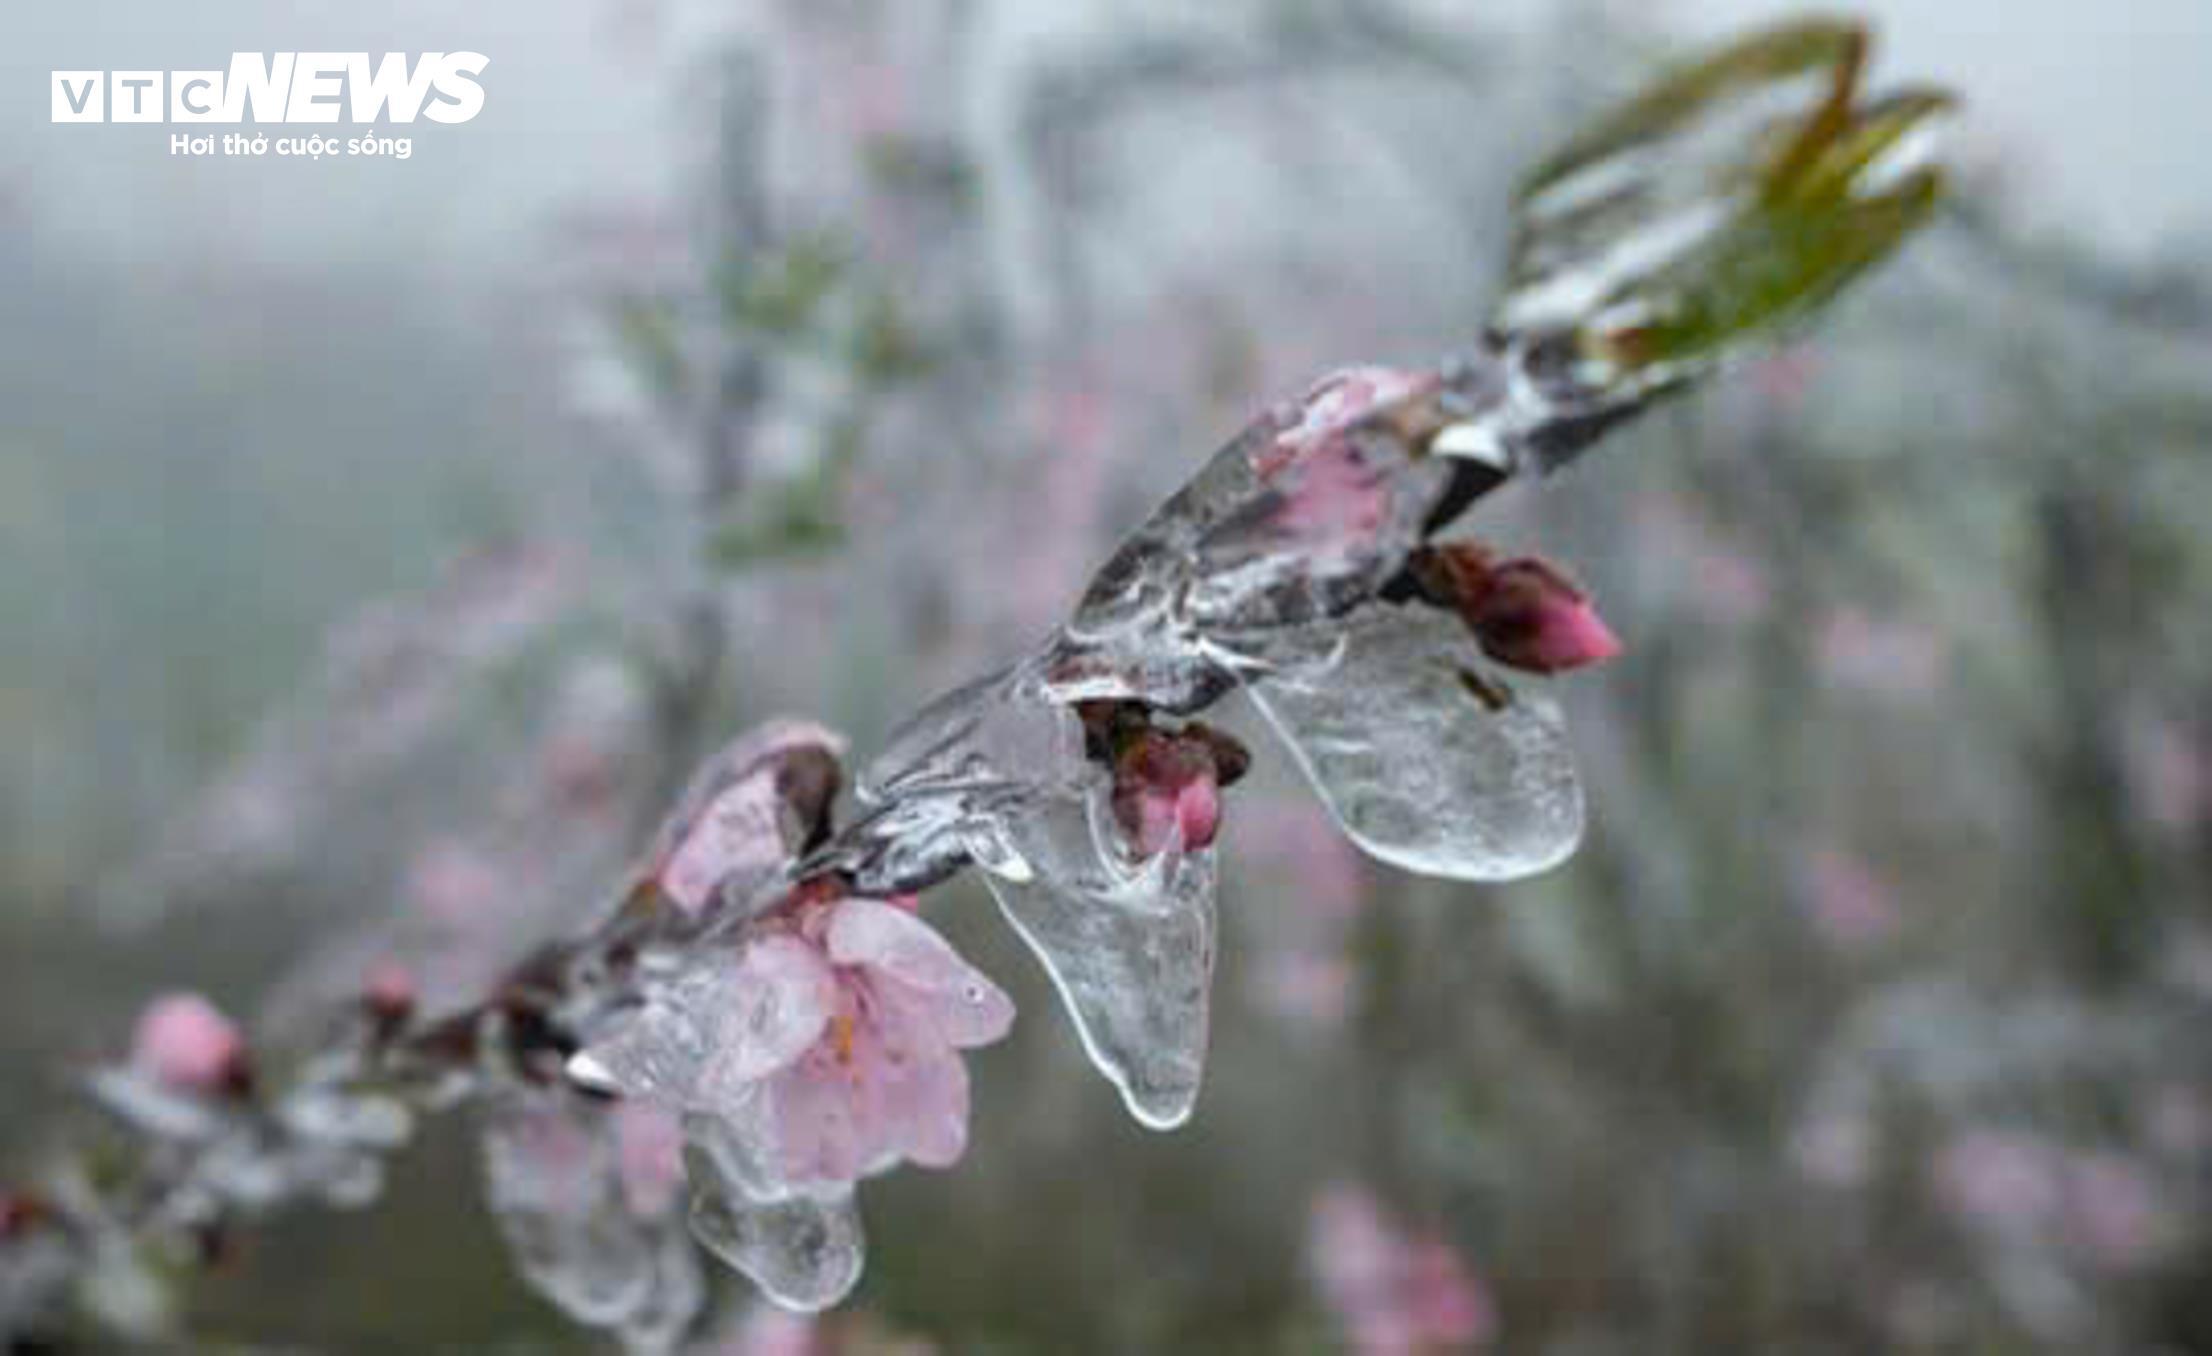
x: 765, y: 999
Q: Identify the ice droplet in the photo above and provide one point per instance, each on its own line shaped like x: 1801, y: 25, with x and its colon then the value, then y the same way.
x: 554, y: 1191
x: 1133, y: 961
x: 804, y: 1251
x: 1424, y: 755
x: 678, y: 1293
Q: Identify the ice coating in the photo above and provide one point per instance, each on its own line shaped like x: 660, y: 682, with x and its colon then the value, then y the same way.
x: 554, y: 1181
x: 1426, y: 757
x: 1725, y: 201
x: 1129, y: 943
x: 804, y: 1250
x: 1133, y: 961
x: 745, y: 812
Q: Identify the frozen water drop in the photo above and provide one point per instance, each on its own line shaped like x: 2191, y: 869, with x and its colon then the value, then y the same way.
x: 805, y: 1252
x: 1130, y: 951
x: 1425, y: 757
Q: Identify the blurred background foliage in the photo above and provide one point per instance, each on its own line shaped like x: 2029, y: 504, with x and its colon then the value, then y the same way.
x: 350, y: 622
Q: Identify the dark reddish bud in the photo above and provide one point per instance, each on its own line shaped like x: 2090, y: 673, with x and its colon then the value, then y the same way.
x: 1523, y: 612
x: 1167, y: 788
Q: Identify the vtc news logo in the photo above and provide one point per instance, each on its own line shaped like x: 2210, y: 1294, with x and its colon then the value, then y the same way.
x: 281, y: 87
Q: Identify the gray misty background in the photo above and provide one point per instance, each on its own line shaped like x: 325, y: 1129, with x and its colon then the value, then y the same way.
x: 243, y: 399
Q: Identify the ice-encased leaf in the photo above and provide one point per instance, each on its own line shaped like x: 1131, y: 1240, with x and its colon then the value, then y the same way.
x: 950, y: 776
x: 1282, y: 526
x: 1424, y: 755
x: 1130, y: 947
x: 804, y: 1250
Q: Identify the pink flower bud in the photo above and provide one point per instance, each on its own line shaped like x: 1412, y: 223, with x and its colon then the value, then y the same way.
x: 182, y: 1040
x: 1525, y: 613
x: 1168, y: 787
x: 389, y: 993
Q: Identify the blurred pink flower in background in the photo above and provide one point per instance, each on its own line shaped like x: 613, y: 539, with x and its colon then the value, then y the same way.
x: 1883, y: 657
x: 185, y: 1042
x: 2003, y: 1179
x: 1783, y: 377
x: 1315, y: 891
x: 453, y: 883
x: 2113, y: 1210
x: 1849, y: 905
x: 1721, y: 583
x: 1728, y: 586
x: 1395, y: 1293
x: 1303, y: 987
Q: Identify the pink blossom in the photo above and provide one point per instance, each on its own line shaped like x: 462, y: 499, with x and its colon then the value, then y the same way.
x: 1167, y: 789
x: 1731, y: 587
x: 1524, y: 613
x: 837, y: 1043
x: 454, y: 883
x: 1998, y: 1178
x: 2113, y: 1210
x: 649, y: 1156
x: 1849, y: 905
x: 1298, y: 841
x: 185, y: 1042
x: 1302, y: 987
x: 1395, y: 1294
x: 731, y: 819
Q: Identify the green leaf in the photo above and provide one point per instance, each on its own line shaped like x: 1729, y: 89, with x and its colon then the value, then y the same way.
x: 1734, y: 196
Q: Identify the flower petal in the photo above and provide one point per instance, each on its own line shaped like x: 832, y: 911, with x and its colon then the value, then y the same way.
x: 960, y: 1002
x: 781, y: 994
